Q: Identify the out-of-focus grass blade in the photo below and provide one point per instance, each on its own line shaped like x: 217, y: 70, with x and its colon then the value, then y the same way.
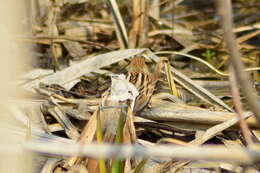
x: 29, y: 128
x: 120, y: 26
x: 117, y: 166
x: 170, y: 79
x: 101, y: 162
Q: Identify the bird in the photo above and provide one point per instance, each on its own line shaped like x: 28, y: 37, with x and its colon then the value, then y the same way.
x: 145, y: 81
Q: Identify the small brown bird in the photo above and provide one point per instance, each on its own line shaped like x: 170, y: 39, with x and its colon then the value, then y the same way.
x: 139, y: 75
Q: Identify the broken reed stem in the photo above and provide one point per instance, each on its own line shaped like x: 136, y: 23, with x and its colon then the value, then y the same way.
x: 225, y: 11
x: 119, y: 24
x: 238, y: 107
x: 138, y: 32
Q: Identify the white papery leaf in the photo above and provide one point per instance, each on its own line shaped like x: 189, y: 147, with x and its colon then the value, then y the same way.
x: 122, y: 90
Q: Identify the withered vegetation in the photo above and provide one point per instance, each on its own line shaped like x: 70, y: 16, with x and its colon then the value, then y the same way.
x: 195, y: 111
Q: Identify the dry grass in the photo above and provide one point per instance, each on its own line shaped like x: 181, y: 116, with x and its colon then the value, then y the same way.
x: 67, y: 108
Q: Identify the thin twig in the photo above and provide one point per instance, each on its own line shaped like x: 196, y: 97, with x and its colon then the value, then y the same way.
x: 225, y: 11
x: 238, y: 107
x: 56, y: 38
x: 202, y: 61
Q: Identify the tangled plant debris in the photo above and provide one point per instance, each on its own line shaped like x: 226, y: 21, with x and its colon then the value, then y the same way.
x: 142, y: 86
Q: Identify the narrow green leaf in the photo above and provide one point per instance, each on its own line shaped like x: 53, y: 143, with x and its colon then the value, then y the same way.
x: 140, y: 166
x: 170, y: 79
x: 101, y: 162
x: 117, y: 165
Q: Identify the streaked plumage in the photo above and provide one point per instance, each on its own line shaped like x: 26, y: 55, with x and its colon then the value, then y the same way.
x: 139, y: 75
